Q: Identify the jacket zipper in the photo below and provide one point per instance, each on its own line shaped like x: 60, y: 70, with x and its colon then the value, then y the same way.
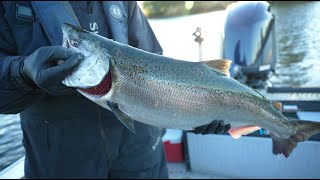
x: 47, y: 132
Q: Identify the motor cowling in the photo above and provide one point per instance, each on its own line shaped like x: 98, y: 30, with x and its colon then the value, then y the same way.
x: 249, y: 41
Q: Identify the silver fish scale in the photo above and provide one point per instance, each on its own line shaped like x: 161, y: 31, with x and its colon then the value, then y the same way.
x: 158, y: 68
x: 171, y: 87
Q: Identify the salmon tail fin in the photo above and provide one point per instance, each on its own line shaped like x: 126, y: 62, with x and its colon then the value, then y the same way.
x: 305, y: 129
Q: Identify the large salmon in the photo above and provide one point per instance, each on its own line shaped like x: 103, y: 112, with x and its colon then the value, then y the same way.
x: 170, y: 93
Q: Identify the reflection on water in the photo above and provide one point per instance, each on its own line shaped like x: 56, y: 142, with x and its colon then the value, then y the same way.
x: 298, y: 43
x: 11, y: 148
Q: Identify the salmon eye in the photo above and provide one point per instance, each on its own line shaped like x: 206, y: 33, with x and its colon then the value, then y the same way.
x: 74, y: 43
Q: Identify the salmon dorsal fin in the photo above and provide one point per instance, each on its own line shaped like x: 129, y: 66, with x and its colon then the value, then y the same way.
x: 238, y: 132
x: 222, y: 65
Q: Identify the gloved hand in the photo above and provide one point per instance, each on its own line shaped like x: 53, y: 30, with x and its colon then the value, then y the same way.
x: 41, y: 68
x: 215, y: 127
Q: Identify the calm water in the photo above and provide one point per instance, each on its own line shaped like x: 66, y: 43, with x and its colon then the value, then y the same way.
x: 298, y: 41
x: 298, y: 44
x: 10, y: 140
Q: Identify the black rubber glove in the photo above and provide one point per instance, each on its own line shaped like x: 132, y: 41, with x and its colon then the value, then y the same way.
x: 41, y: 68
x: 215, y: 127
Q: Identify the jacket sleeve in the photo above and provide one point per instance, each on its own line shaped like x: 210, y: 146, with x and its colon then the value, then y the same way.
x: 15, y: 93
x: 140, y: 32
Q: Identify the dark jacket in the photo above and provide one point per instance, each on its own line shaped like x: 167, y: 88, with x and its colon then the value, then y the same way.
x: 70, y: 136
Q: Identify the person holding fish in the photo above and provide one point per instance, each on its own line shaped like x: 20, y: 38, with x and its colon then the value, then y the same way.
x: 64, y: 134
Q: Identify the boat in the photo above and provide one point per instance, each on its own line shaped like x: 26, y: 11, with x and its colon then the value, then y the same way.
x: 250, y: 43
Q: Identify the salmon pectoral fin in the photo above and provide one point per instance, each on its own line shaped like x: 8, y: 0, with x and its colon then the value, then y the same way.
x: 122, y: 117
x: 305, y: 129
x: 239, y: 131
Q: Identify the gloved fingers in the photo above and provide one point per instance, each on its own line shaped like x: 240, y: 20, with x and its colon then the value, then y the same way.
x: 70, y: 64
x: 227, y: 128
x: 220, y: 127
x: 215, y: 127
x: 59, y: 72
x: 49, y: 55
x: 199, y: 129
x: 211, y: 128
x: 59, y: 53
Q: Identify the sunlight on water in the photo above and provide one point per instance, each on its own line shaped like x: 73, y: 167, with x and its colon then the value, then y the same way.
x: 10, y: 140
x: 298, y: 41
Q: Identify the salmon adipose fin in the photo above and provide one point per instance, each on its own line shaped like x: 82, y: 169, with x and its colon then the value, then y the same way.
x: 305, y: 129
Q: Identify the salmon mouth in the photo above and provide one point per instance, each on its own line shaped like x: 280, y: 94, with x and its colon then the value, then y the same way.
x: 101, y: 89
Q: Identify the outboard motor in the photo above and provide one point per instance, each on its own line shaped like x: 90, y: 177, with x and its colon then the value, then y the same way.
x: 249, y: 41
